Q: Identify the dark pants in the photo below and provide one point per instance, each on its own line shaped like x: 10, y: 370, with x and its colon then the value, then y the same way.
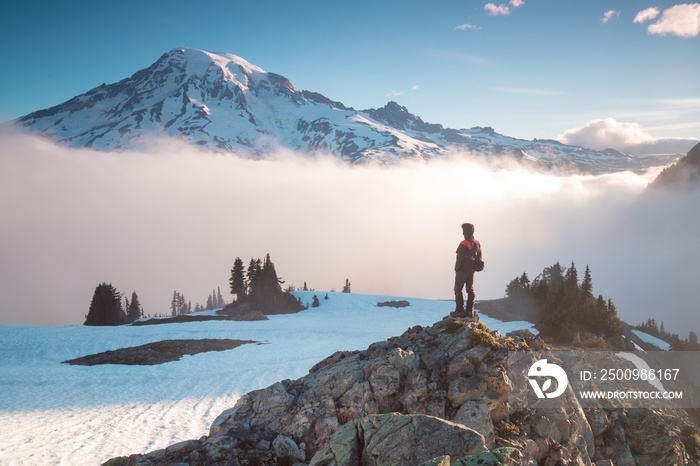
x: 464, y: 279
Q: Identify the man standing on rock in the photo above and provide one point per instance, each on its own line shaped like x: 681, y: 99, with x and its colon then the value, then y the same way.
x: 468, y: 256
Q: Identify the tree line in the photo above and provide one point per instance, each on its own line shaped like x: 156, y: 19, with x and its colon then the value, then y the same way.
x: 110, y: 307
x: 677, y: 343
x: 565, y: 309
x: 256, y: 285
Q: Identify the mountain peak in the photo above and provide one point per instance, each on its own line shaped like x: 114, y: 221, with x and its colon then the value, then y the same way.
x: 200, y: 62
x: 222, y: 102
x: 398, y: 116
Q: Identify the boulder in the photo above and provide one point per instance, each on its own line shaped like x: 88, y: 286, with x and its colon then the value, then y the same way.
x: 397, y: 439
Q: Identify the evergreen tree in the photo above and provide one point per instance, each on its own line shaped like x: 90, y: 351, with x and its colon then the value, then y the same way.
x: 613, y: 326
x: 174, y: 303
x: 134, y: 310
x: 554, y: 276
x: 237, y: 280
x: 253, y: 276
x: 219, y: 299
x: 105, y: 307
x: 346, y: 288
x: 178, y: 305
x: 587, y: 284
x: 519, y: 287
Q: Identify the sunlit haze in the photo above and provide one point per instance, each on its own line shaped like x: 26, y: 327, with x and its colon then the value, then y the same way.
x: 175, y: 219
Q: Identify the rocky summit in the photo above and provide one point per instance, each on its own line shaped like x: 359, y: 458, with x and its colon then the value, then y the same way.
x: 432, y: 396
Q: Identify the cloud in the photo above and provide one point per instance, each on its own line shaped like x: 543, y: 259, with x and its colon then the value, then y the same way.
x: 679, y: 20
x: 392, y: 94
x: 494, y: 10
x: 502, y: 9
x: 608, y: 15
x: 626, y: 137
x: 464, y: 27
x: 604, y: 134
x: 646, y: 15
x: 176, y: 218
x: 415, y: 88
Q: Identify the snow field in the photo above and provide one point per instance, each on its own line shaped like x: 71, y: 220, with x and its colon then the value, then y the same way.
x: 57, y: 414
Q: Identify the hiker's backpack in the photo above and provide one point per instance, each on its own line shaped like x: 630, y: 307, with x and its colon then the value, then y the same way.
x: 478, y: 263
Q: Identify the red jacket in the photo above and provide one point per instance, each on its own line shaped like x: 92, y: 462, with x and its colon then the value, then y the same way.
x: 467, y: 251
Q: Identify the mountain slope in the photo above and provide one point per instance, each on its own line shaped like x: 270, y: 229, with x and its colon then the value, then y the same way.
x: 219, y: 102
x: 223, y: 103
x: 683, y: 175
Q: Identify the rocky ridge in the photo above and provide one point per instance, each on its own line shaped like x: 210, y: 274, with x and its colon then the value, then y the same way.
x: 683, y: 175
x: 432, y: 396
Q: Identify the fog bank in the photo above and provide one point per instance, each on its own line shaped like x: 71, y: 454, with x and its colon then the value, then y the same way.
x: 175, y: 219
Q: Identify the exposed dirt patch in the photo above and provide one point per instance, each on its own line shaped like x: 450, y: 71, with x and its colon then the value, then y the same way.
x: 241, y: 315
x: 157, y: 353
x: 393, y: 304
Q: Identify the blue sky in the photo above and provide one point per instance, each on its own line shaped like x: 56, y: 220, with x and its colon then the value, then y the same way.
x: 530, y: 69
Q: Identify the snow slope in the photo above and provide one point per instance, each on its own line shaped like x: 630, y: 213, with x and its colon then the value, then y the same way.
x: 652, y: 340
x: 57, y: 414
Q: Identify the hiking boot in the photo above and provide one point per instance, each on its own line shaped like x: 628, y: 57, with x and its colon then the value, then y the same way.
x: 458, y: 313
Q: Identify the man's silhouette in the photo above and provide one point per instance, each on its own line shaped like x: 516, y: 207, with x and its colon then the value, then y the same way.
x: 467, y: 252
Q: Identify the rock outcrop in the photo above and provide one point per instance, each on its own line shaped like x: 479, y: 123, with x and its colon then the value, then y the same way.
x: 432, y: 396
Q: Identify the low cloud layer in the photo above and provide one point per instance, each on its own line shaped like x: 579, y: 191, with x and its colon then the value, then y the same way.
x: 176, y: 219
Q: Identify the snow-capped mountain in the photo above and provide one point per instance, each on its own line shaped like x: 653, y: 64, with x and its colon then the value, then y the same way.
x: 223, y: 103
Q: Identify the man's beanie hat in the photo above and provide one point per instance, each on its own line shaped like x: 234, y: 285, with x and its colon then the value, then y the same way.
x: 468, y: 228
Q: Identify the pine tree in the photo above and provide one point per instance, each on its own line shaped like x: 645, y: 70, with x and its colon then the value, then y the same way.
x: 178, y: 305
x: 253, y: 277
x: 219, y: 298
x: 346, y: 288
x: 587, y: 284
x: 237, y: 280
x: 554, y: 276
x: 174, y: 303
x: 519, y: 287
x: 134, y: 310
x: 105, y: 307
